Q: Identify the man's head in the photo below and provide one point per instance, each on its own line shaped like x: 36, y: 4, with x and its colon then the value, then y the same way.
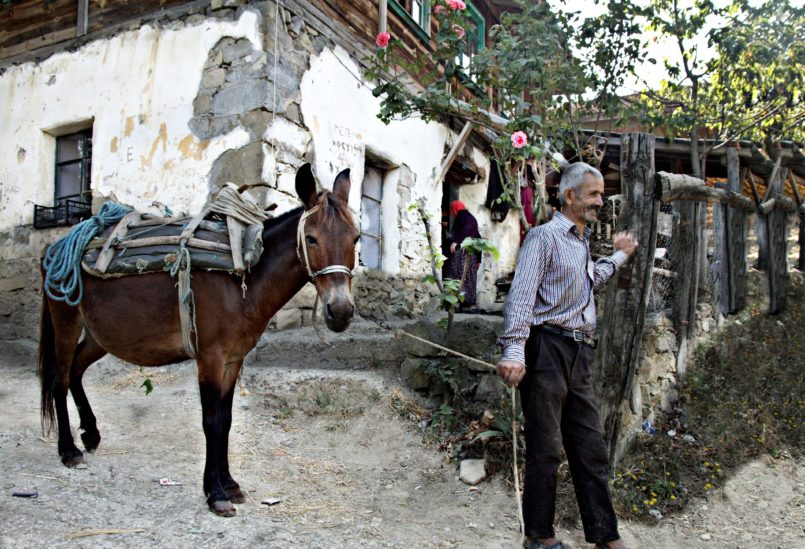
x: 581, y: 192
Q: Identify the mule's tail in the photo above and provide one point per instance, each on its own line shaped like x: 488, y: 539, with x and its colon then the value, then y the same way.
x: 47, y: 366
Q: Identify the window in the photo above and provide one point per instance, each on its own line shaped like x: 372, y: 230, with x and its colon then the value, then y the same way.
x: 415, y: 13
x: 475, y: 37
x: 371, y: 237
x: 73, y: 197
x: 73, y: 166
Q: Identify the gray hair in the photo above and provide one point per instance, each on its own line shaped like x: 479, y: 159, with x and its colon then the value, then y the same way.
x: 573, y: 178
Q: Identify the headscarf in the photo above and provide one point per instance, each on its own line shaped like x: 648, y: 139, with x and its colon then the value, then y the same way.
x: 455, y: 207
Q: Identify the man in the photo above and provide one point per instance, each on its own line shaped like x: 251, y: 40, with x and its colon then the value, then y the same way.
x: 548, y: 350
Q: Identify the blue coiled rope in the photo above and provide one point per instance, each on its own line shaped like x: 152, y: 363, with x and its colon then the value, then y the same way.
x: 62, y: 262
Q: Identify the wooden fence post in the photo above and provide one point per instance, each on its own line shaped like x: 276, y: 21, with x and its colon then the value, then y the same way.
x: 730, y: 239
x: 626, y: 298
x: 777, y: 233
x: 687, y: 245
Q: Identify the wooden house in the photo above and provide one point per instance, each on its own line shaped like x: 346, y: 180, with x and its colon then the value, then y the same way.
x: 167, y: 100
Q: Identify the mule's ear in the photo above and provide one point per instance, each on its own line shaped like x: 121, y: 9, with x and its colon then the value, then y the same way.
x: 306, y: 186
x: 342, y: 184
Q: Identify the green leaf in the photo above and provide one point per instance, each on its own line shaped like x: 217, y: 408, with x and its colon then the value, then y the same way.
x: 148, y: 386
x: 488, y: 434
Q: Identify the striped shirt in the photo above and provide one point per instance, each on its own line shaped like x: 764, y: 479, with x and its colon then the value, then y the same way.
x: 553, y: 284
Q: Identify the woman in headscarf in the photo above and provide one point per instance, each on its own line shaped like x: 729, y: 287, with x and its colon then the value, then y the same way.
x: 464, y: 226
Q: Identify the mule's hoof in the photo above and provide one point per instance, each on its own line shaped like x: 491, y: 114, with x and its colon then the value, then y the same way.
x: 236, y: 495
x: 74, y: 461
x: 223, y: 508
x: 91, y: 440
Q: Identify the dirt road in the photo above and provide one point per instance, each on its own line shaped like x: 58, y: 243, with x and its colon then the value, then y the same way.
x: 348, y: 471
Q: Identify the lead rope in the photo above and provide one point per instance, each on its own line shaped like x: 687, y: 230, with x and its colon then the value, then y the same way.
x: 399, y: 333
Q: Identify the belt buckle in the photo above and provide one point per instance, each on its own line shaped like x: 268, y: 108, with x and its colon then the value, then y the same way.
x: 578, y: 336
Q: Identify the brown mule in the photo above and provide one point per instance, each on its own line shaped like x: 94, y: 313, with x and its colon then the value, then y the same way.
x: 136, y: 318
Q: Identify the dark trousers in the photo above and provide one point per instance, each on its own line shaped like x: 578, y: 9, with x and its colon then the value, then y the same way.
x: 559, y: 408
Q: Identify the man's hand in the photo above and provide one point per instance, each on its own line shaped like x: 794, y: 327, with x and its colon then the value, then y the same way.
x: 625, y: 241
x: 453, y: 247
x: 511, y: 372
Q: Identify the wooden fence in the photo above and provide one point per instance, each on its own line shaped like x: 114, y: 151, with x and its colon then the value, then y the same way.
x: 626, y: 300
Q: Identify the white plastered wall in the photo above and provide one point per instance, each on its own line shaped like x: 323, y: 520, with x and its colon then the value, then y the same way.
x: 136, y: 91
x: 341, y: 113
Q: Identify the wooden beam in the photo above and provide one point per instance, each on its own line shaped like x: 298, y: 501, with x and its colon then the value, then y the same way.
x: 729, y: 228
x: 772, y: 177
x: 755, y: 192
x: 684, y: 187
x: 777, y: 233
x: 82, y: 25
x: 448, y: 161
x: 626, y: 297
x: 382, y: 16
x: 794, y: 186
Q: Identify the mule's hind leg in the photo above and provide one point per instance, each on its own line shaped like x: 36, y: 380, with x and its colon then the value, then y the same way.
x: 56, y: 359
x: 87, y: 353
x: 229, y: 484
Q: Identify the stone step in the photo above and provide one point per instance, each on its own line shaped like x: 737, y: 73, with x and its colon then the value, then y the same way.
x: 365, y: 345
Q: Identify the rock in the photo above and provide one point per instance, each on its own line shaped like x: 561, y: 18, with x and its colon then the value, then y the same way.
x: 706, y: 537
x: 490, y: 387
x: 426, y: 330
x: 412, y: 375
x: 474, y: 336
x: 472, y: 471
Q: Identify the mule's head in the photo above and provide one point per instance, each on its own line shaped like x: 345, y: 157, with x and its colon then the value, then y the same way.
x: 326, y: 241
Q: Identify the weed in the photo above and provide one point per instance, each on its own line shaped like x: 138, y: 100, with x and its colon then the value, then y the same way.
x: 744, y: 397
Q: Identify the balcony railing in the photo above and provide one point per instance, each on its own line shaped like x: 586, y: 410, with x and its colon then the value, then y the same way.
x: 68, y: 212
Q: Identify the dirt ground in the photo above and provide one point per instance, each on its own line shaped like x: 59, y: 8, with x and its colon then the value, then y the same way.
x: 349, y: 472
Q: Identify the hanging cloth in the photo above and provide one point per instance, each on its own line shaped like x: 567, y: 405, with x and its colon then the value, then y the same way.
x: 494, y: 190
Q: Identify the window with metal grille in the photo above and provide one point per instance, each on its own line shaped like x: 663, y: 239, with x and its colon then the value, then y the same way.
x: 371, y: 232
x: 475, y: 38
x: 73, y: 196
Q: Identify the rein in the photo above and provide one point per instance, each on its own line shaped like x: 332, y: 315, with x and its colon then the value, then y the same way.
x: 301, y: 244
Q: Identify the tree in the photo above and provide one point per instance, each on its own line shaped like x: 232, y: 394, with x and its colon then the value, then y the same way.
x: 759, y: 74
x: 543, y: 70
x: 682, y: 104
x: 747, y: 85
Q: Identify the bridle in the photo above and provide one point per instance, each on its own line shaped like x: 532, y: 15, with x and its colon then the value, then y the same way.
x: 301, y: 244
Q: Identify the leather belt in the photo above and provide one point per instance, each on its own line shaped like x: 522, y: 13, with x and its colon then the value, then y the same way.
x: 576, y: 335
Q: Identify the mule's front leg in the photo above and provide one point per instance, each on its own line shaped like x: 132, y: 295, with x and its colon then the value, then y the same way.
x: 211, y: 403
x: 231, y: 487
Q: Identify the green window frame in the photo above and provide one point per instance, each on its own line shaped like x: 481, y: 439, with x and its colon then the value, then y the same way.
x: 476, y: 37
x: 415, y: 14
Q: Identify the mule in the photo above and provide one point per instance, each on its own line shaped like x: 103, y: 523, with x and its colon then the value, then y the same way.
x: 136, y: 318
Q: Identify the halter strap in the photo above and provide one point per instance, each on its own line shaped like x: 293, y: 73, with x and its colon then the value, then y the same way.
x: 301, y: 243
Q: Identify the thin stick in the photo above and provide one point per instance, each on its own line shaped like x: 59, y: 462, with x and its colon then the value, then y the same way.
x: 514, y: 464
x: 86, y: 532
x: 451, y: 351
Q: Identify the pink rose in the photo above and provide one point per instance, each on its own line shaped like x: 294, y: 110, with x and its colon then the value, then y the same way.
x: 456, y: 4
x: 382, y: 39
x: 519, y: 139
x: 438, y: 10
x: 459, y: 30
